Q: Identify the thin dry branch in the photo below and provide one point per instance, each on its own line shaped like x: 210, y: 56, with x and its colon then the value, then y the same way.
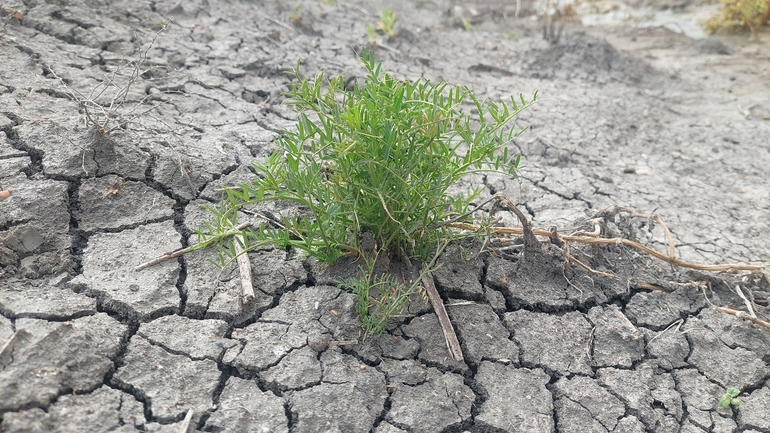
x: 749, y: 306
x: 743, y: 315
x: 244, y: 268
x: 650, y: 286
x: 182, y: 251
x: 452, y: 343
x: 185, y: 426
x: 101, y: 116
x: 7, y: 348
x: 590, y: 240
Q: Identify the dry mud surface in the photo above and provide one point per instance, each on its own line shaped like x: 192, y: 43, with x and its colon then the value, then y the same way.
x: 649, y: 120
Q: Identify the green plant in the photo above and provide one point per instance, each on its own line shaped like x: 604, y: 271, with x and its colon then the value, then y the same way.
x: 740, y: 14
x: 387, y: 22
x: 13, y: 13
x: 371, y: 32
x: 376, y: 311
x: 376, y: 161
x: 379, y: 297
x: 467, y: 25
x: 296, y: 17
x: 513, y: 35
x: 730, y: 398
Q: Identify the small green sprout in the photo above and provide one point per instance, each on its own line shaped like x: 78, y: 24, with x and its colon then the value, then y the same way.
x: 513, y: 35
x: 296, y: 17
x: 13, y: 13
x: 467, y: 26
x: 371, y: 32
x: 379, y: 297
x: 730, y: 398
x: 387, y: 22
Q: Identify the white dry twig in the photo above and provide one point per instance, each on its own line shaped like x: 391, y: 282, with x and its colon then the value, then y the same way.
x: 185, y: 427
x: 746, y: 301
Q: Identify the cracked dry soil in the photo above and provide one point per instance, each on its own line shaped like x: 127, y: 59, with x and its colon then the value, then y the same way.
x: 652, y: 121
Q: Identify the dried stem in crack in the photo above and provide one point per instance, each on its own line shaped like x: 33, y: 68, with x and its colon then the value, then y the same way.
x: 7, y: 349
x: 185, y: 426
x: 531, y: 244
x: 452, y: 343
x: 244, y: 268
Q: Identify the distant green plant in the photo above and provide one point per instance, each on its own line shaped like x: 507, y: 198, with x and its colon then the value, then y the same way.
x: 513, y: 35
x: 740, y: 15
x: 13, y: 13
x: 730, y: 398
x: 387, y: 22
x: 371, y: 32
x: 296, y: 17
x: 467, y: 25
x: 377, y: 159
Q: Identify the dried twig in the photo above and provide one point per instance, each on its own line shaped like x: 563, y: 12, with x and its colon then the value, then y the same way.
x: 676, y: 326
x: 744, y: 315
x: 284, y: 25
x: 746, y: 301
x: 650, y: 286
x: 200, y: 245
x: 111, y: 117
x: 343, y: 342
x: 590, y: 240
x: 244, y: 267
x: 737, y: 313
x: 185, y: 426
x: 7, y: 348
x: 443, y: 318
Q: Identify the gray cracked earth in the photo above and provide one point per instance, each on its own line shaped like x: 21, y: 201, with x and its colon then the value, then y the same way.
x: 653, y: 121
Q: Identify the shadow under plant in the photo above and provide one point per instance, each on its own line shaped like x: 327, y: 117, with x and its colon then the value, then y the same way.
x: 91, y: 344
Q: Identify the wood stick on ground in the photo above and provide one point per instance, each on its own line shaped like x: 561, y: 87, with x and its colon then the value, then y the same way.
x: 744, y: 315
x: 244, y: 268
x: 443, y: 318
x: 610, y: 241
x: 650, y: 286
x: 182, y: 251
x: 746, y: 301
x: 669, y: 238
x: 185, y: 426
x: 666, y: 231
x: 7, y: 348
